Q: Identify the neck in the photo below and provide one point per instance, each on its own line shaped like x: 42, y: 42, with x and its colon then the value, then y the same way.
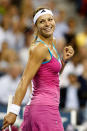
x: 48, y: 40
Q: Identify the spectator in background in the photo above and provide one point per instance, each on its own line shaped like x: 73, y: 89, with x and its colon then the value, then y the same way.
x: 38, y: 3
x: 61, y: 42
x: 9, y: 83
x: 11, y: 32
x: 71, y: 34
x: 14, y: 12
x: 81, y: 43
x: 82, y: 51
x: 72, y: 101
x: 17, y: 36
x: 27, y: 7
x: 3, y: 64
x: 6, y: 29
x: 73, y: 65
x: 83, y: 85
x: 6, y: 22
x: 24, y: 52
x: 52, y: 5
x: 82, y: 93
x: 9, y: 55
x: 61, y: 26
x: 27, y: 10
x: 81, y: 38
x: 4, y: 6
x: 24, y: 22
x: 16, y: 2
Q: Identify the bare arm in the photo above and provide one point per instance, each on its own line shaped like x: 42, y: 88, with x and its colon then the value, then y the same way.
x: 68, y: 52
x: 37, y: 55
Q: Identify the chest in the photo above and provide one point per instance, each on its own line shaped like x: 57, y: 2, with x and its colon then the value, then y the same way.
x: 53, y: 53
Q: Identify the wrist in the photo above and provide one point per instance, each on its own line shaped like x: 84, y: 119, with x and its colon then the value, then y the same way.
x: 15, y: 109
x: 64, y: 61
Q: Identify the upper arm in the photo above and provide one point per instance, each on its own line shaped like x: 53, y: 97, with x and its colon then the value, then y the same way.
x: 36, y: 57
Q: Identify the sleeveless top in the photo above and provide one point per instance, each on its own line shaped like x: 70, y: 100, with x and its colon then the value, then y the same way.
x: 46, y: 82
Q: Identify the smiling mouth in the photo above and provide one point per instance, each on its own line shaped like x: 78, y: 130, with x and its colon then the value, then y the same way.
x: 48, y: 29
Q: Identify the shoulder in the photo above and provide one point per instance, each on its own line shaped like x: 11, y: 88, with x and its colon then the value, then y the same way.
x: 39, y: 50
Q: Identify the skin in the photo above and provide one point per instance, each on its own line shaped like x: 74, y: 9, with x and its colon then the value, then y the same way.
x: 38, y: 53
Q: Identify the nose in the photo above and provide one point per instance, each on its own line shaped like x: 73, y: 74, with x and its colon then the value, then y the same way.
x: 47, y: 23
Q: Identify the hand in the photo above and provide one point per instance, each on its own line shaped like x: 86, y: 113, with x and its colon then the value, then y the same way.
x: 68, y: 53
x: 9, y: 119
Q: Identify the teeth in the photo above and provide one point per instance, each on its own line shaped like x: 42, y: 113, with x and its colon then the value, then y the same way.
x: 47, y: 28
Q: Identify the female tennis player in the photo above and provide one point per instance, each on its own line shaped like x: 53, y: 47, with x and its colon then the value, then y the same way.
x: 43, y: 67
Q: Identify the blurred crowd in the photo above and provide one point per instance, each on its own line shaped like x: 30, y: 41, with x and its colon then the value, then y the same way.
x: 16, y: 34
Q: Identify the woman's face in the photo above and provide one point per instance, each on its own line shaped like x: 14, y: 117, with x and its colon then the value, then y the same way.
x: 45, y: 25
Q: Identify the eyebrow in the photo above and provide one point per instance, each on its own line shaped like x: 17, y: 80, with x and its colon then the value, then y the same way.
x: 47, y: 18
x: 42, y: 19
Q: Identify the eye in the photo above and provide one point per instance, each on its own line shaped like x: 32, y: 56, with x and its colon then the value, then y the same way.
x: 42, y: 21
x: 50, y: 19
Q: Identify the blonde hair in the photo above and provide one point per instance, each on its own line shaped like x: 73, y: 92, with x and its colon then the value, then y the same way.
x: 34, y: 13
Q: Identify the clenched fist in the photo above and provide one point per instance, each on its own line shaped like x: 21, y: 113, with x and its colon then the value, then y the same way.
x: 68, y: 52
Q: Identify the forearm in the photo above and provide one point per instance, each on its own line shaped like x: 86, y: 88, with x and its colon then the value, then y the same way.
x: 63, y: 65
x: 20, y: 92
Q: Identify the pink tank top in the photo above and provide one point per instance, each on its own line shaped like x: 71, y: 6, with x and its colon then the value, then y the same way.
x: 46, y: 82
